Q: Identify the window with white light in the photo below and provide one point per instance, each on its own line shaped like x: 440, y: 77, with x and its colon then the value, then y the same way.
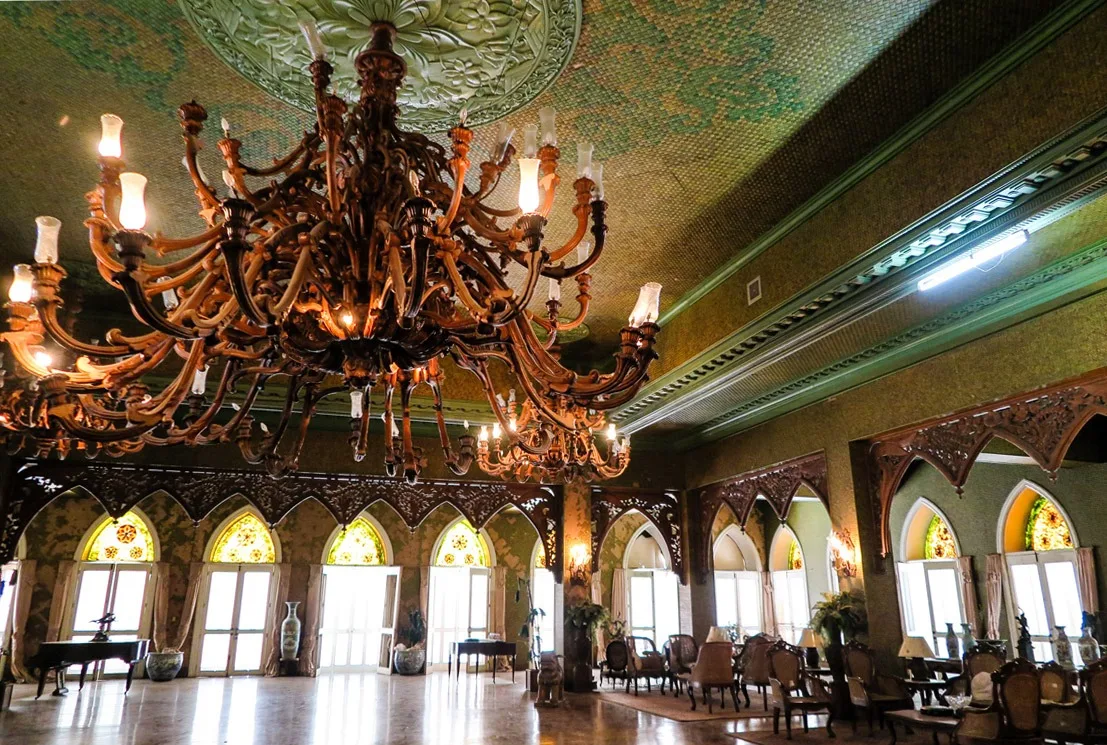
x: 460, y: 590
x: 543, y: 591
x: 737, y: 582
x: 789, y: 574
x: 654, y: 604
x: 929, y: 585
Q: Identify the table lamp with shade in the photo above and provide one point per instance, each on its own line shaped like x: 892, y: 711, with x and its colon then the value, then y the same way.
x: 812, y: 643
x: 916, y: 649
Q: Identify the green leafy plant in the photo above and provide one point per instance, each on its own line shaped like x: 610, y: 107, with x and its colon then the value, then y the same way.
x: 840, y: 614
x: 416, y: 630
x: 587, y: 616
x: 616, y: 629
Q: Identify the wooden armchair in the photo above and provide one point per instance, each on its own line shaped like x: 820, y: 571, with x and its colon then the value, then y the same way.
x: 645, y: 663
x: 681, y: 653
x: 1085, y: 720
x: 713, y: 669
x: 1014, y: 714
x: 982, y: 660
x: 788, y: 684
x: 869, y: 691
x: 1054, y: 685
x: 753, y: 666
x: 616, y: 664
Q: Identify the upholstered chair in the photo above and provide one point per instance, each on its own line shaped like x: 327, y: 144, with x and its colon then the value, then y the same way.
x: 682, y: 652
x: 645, y: 663
x: 616, y: 664
x: 1055, y: 687
x: 1085, y: 718
x: 789, y: 689
x: 713, y: 669
x: 981, y: 660
x: 753, y: 666
x: 872, y: 693
x: 1015, y: 711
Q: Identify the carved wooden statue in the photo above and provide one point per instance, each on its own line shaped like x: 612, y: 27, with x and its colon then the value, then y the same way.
x: 551, y: 681
x: 1025, y: 645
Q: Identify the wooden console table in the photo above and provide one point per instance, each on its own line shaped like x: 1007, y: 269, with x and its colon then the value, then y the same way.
x: 494, y: 648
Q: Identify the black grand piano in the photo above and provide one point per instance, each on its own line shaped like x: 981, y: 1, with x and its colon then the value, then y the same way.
x: 59, y: 655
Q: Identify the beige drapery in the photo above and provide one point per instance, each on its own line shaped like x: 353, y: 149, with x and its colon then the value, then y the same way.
x: 993, y: 583
x: 768, y: 609
x: 619, y: 596
x: 273, y: 623
x: 497, y: 622
x: 21, y: 609
x: 424, y: 594
x: 968, y: 591
x: 313, y: 610
x: 1085, y: 579
x: 195, y: 574
x: 161, y: 605
x: 597, y: 598
x: 59, y: 603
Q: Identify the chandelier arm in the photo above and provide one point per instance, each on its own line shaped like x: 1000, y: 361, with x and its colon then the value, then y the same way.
x: 583, y: 187
x: 221, y: 432
x: 194, y: 430
x: 124, y: 372
x: 411, y: 464
x: 599, y: 234
x: 178, y: 273
x: 205, y: 195
x: 233, y: 251
x: 75, y: 429
x: 163, y: 245
x: 307, y: 145
x: 460, y: 462
x: 292, y: 289
x: 48, y: 315
x: 140, y: 305
x: 390, y: 460
x: 102, y: 251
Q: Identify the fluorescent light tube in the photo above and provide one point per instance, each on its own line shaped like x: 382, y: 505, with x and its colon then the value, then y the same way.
x: 975, y: 258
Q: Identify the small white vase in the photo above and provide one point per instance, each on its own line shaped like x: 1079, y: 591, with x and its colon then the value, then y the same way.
x: 290, y: 632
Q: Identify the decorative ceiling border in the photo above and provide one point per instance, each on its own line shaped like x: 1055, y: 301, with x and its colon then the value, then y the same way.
x: 778, y: 483
x: 1031, y: 295
x: 1042, y: 423
x: 1053, y: 180
x: 1022, y: 49
x: 661, y: 508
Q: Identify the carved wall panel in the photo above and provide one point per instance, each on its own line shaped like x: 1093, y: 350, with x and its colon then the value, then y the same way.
x: 777, y: 483
x: 662, y: 509
x: 119, y: 487
x: 1041, y: 423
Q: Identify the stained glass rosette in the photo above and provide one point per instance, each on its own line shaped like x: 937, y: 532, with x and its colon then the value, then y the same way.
x: 938, y: 543
x: 1047, y: 529
x: 358, y: 545
x: 462, y: 546
x: 125, y: 539
x: 245, y: 541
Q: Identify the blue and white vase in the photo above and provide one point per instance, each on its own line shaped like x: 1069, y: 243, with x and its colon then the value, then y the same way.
x: 290, y: 632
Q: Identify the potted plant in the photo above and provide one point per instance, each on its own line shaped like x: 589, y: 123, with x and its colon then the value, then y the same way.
x: 837, y: 615
x: 410, y: 658
x: 164, y: 665
x: 529, y: 632
x: 616, y: 629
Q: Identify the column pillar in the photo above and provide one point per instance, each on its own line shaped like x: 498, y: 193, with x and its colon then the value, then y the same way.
x: 701, y: 581
x: 577, y: 545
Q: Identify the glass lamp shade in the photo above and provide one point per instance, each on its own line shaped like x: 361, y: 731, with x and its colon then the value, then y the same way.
x: 504, y: 133
x: 528, y: 184
x: 555, y: 290
x: 530, y: 141
x: 132, y: 205
x: 584, y: 160
x: 915, y: 647
x: 549, y: 127
x: 314, y: 40
x: 584, y: 250
x: 597, y: 179
x: 648, y: 307
x: 111, y: 141
x: 356, y: 398
x: 22, y: 287
x: 46, y: 247
x: 199, y: 381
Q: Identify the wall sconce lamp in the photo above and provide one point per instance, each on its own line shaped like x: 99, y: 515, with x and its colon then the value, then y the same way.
x: 579, y: 564
x: 844, y: 553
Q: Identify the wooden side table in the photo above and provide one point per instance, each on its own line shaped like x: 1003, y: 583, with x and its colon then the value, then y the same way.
x: 912, y: 719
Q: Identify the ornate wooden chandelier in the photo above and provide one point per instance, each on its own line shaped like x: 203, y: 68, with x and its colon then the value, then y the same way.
x: 360, y: 260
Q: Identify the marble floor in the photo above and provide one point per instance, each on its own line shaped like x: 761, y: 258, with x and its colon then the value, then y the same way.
x: 340, y: 710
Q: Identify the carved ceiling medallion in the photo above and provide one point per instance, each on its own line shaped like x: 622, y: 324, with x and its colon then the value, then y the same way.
x: 490, y: 56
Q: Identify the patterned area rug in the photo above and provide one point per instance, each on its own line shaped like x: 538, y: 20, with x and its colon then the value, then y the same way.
x: 680, y: 708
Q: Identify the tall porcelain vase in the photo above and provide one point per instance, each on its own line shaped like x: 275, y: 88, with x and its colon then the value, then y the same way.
x: 1062, y: 649
x: 1089, y: 647
x: 290, y: 632
x: 952, y: 643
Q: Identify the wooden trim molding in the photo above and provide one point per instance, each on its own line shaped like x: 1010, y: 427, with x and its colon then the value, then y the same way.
x: 1042, y: 423
x: 119, y: 486
x: 661, y: 508
x: 778, y: 483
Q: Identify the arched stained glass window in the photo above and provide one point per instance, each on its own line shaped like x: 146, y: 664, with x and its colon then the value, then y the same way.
x: 358, y: 545
x: 125, y: 539
x: 795, y: 556
x: 462, y: 546
x: 540, y: 557
x: 938, y: 543
x: 245, y: 541
x: 1047, y: 529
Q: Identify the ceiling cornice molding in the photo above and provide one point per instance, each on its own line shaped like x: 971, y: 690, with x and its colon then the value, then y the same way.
x: 1039, y: 188
x: 1022, y: 49
x: 1059, y: 283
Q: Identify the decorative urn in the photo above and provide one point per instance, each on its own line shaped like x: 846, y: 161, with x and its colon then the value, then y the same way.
x: 290, y: 632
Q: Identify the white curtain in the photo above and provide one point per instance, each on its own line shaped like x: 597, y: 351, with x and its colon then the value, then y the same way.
x: 195, y: 573
x: 619, y: 595
x: 63, y: 585
x: 1085, y: 578
x: 993, y: 583
x: 273, y: 622
x: 768, y: 605
x: 968, y: 591
x: 21, y: 609
x: 597, y: 598
x: 161, y: 605
x: 313, y: 610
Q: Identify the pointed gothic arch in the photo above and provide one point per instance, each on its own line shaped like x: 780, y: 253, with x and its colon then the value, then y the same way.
x: 363, y: 528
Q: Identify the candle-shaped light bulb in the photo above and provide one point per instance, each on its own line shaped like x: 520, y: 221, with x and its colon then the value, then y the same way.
x: 624, y: 443
x: 463, y: 115
x: 43, y: 359
x: 314, y: 40
x: 395, y: 429
x: 547, y: 117
x: 483, y: 433
x: 597, y: 179
x: 528, y: 185
x: 132, y: 205
x: 348, y: 319
x: 356, y: 398
x: 200, y: 382
x: 555, y: 290
x: 226, y: 127
x: 22, y: 287
x: 111, y: 142
x: 466, y: 425
x: 584, y: 250
x: 46, y: 247
x: 648, y: 307
x: 236, y: 407
x: 504, y: 133
x: 264, y: 428
x: 168, y: 297
x: 530, y: 141
x: 584, y: 160
x: 500, y: 401
x: 228, y: 179
x: 611, y: 433
x: 496, y: 431
x: 511, y: 399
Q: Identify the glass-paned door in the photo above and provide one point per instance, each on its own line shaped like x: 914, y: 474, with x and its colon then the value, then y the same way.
x: 654, y: 606
x: 459, y: 598
x: 738, y: 601
x: 1044, y: 587
x: 930, y: 598
x: 237, y: 605
x: 359, y: 617
x: 7, y: 592
x: 543, y: 591
x: 122, y: 589
x: 790, y: 603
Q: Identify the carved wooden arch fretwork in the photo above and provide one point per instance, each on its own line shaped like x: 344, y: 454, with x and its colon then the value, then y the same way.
x: 777, y: 483
x: 1041, y: 423
x: 661, y: 508
x: 119, y: 487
